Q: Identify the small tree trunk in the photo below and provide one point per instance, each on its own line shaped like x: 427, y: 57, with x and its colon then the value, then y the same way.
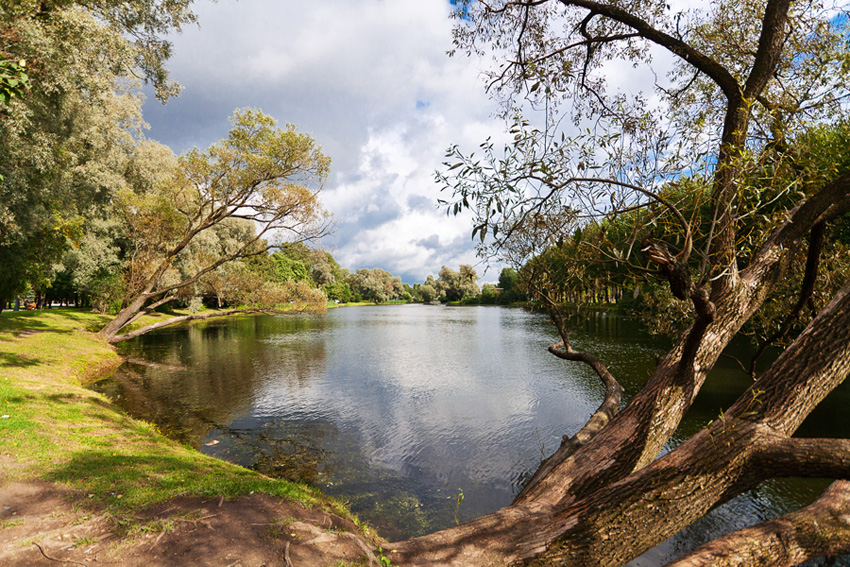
x: 124, y: 316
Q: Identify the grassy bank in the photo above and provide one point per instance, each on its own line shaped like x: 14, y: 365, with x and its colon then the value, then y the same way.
x: 53, y: 429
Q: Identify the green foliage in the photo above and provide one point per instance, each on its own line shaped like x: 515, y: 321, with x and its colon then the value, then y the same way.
x: 602, y: 262
x: 455, y: 286
x: 489, y: 296
x: 95, y: 266
x: 142, y: 25
x: 70, y: 117
x: 65, y: 140
x: 375, y: 285
x: 511, y: 286
x: 287, y: 269
x: 338, y: 291
x: 383, y: 559
x: 428, y: 291
x: 14, y: 80
x: 456, y: 507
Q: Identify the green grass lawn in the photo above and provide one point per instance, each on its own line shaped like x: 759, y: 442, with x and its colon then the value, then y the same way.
x: 52, y: 428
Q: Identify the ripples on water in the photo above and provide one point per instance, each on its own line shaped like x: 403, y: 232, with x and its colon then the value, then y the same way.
x: 397, y: 408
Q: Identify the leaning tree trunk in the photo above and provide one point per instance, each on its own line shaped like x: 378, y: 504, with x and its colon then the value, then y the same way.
x: 602, y: 500
x: 819, y: 530
x: 609, y: 521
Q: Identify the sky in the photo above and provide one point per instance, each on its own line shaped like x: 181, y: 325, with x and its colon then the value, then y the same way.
x: 371, y: 82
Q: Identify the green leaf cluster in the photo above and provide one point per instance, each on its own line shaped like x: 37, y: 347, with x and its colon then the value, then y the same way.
x: 14, y: 80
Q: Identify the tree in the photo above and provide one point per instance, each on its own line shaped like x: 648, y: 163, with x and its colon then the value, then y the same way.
x: 455, y: 286
x: 260, y: 183
x: 68, y: 74
x: 338, y: 291
x: 144, y: 25
x: 375, y: 285
x: 509, y: 281
x: 96, y: 264
x: 750, y: 79
x: 287, y: 269
x: 428, y: 291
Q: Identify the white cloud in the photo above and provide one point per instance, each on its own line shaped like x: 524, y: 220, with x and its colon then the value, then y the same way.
x: 373, y: 84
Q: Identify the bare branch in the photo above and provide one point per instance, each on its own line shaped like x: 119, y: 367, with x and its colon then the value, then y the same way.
x: 600, y: 418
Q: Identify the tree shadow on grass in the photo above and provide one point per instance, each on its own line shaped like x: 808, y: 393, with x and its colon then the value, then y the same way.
x: 138, y: 481
x: 10, y: 360
x: 36, y: 320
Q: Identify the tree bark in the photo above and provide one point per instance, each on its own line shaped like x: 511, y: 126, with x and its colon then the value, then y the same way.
x: 609, y: 520
x: 819, y: 530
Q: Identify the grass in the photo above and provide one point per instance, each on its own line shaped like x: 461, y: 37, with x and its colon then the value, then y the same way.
x: 332, y: 305
x: 10, y: 523
x: 82, y: 542
x: 54, y: 429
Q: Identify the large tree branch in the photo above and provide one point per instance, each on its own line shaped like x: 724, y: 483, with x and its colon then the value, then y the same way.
x: 810, y: 368
x: 175, y: 320
x: 806, y: 290
x: 696, y: 58
x: 821, y: 529
x: 806, y: 458
x: 600, y: 418
x: 773, y: 34
x: 148, y: 309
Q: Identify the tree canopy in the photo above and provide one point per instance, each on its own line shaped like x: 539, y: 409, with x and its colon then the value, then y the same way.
x: 253, y: 191
x: 70, y: 118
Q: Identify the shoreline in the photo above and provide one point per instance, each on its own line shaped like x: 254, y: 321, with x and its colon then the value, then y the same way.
x: 112, y: 477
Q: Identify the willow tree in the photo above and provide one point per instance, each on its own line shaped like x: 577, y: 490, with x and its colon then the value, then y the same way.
x: 68, y: 114
x: 747, y: 78
x: 188, y: 216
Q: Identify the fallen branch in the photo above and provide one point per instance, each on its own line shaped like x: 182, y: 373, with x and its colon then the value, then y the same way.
x: 57, y: 560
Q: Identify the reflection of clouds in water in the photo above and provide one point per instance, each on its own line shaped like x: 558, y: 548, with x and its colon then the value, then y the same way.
x: 416, y: 400
x: 450, y: 392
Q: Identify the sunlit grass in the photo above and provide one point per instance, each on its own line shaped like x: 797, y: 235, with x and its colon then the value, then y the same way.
x: 54, y: 429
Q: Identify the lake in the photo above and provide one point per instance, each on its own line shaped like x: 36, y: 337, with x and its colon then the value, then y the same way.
x: 398, y: 409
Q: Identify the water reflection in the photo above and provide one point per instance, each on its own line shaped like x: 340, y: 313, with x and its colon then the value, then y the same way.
x: 396, y: 408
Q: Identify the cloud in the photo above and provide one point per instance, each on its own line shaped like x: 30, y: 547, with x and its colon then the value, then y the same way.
x: 432, y: 242
x: 417, y: 202
x: 371, y: 81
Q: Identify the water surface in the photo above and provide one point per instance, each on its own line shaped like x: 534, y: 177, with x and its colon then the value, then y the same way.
x: 397, y: 409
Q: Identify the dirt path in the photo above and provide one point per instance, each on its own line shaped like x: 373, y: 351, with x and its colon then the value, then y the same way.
x: 43, y: 524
